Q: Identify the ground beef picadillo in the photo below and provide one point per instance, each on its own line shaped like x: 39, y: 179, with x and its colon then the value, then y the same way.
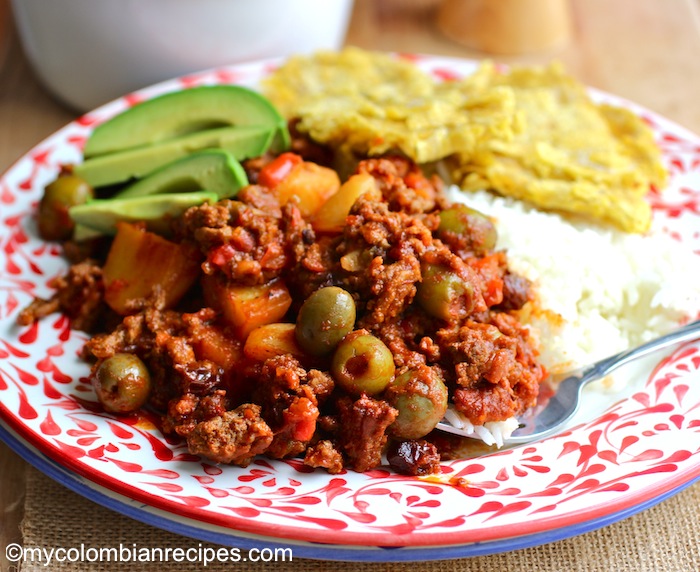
x: 288, y: 405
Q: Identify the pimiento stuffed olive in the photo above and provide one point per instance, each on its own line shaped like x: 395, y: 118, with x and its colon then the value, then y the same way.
x: 324, y: 319
x: 420, y: 396
x: 65, y: 192
x: 445, y: 295
x: 122, y: 383
x: 472, y: 229
x: 362, y: 364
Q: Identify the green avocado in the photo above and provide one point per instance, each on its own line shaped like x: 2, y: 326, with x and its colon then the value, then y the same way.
x: 120, y: 167
x: 183, y: 112
x: 213, y: 170
x: 156, y: 211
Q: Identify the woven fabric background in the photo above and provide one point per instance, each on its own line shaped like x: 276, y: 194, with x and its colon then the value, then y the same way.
x: 651, y: 541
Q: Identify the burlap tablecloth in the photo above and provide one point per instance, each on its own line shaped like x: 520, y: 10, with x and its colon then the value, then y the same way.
x: 665, y: 538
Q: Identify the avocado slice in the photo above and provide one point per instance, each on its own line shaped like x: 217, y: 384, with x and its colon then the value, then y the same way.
x: 156, y: 211
x: 182, y: 112
x: 241, y: 142
x: 213, y: 170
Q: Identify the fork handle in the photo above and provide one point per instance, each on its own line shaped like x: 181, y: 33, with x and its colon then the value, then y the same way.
x: 690, y: 331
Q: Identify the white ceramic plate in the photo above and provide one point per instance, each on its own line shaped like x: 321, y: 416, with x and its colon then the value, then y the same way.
x: 622, y: 454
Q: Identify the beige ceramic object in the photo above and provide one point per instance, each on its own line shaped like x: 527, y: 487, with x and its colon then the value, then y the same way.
x: 506, y: 26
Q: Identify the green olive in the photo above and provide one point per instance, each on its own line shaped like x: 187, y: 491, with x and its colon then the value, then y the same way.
x: 122, y: 383
x: 324, y: 319
x: 420, y: 396
x: 471, y: 224
x: 362, y: 364
x: 66, y: 191
x: 443, y: 294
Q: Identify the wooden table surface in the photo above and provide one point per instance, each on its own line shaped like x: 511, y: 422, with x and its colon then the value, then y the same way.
x: 645, y: 50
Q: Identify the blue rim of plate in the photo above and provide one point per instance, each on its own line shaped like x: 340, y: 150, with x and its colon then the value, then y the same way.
x: 315, y: 551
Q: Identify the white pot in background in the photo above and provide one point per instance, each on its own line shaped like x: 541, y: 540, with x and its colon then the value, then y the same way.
x: 88, y: 52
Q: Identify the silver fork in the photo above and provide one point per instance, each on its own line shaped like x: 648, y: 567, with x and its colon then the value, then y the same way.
x: 549, y: 418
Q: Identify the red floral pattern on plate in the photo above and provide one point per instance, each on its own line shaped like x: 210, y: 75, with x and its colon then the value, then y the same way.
x: 643, y: 445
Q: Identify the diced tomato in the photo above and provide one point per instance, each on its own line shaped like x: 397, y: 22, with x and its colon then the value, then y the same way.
x: 276, y: 170
x: 301, y: 417
x: 420, y: 184
x: 221, y: 255
x: 490, y: 270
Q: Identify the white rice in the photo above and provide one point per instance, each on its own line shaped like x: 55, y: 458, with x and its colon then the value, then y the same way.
x: 491, y: 432
x: 602, y: 290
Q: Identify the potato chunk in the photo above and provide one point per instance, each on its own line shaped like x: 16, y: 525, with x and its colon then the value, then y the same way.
x: 142, y: 265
